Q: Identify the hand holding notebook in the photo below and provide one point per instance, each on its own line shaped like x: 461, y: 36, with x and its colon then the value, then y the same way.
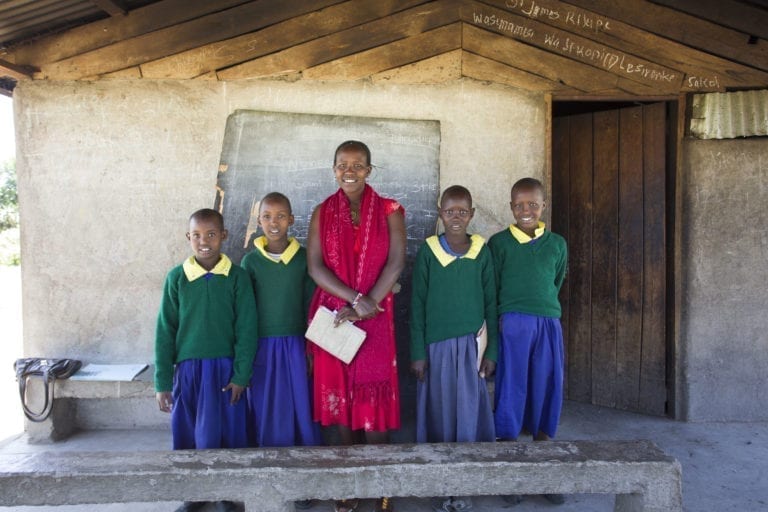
x: 342, y: 341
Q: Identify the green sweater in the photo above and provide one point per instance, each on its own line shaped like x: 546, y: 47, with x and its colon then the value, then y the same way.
x: 529, y: 276
x: 283, y: 291
x: 212, y: 316
x: 452, y: 300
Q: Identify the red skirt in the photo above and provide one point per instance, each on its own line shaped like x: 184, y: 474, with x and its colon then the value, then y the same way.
x: 344, y: 394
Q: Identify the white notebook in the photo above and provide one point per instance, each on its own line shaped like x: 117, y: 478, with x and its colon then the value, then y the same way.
x: 342, y: 341
x: 109, y: 372
x: 482, y: 344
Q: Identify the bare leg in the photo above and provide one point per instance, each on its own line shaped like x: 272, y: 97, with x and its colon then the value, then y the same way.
x: 377, y: 437
x: 346, y: 436
x: 339, y: 435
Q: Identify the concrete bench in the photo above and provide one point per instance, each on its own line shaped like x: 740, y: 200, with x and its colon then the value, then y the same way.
x: 95, y: 405
x: 269, y: 480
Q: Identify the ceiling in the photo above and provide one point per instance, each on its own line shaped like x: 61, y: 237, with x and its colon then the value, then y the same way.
x: 571, y: 48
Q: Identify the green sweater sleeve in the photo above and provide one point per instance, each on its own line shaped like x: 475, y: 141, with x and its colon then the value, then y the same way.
x: 165, y: 333
x: 562, y: 266
x: 418, y: 305
x: 497, y: 263
x: 246, y: 331
x: 488, y: 276
x: 309, y: 291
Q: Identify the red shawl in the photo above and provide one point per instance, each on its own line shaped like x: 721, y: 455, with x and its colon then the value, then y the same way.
x: 357, y: 256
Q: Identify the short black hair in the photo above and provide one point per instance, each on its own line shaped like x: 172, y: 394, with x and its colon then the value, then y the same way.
x: 528, y: 184
x: 456, y: 192
x: 208, y: 214
x: 353, y: 144
x: 276, y: 197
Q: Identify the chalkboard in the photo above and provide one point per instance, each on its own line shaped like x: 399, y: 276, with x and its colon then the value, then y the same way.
x: 293, y: 154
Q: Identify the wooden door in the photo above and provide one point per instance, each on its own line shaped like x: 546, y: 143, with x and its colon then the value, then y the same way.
x: 609, y: 201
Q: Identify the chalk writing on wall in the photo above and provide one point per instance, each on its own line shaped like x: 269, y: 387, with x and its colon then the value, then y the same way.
x: 579, y: 19
x: 503, y: 25
x: 524, y: 27
x: 703, y: 82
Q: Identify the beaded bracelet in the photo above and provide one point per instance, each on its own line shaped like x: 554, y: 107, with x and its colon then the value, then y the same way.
x: 357, y: 300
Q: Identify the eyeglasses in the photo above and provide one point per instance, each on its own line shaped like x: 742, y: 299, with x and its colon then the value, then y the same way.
x: 461, y: 213
x: 344, y: 167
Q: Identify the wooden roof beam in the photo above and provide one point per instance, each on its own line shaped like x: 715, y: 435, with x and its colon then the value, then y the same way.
x: 481, y: 68
x: 704, y: 72
x: 389, y: 56
x: 515, y: 54
x: 385, y: 30
x: 111, y: 7
x: 238, y: 20
x: 280, y: 36
x: 111, y: 30
x: 553, y: 67
x: 554, y: 41
x: 441, y: 68
x: 15, y: 71
x: 736, y: 15
x: 683, y: 28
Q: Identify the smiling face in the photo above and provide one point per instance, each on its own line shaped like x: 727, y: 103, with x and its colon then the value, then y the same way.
x: 205, y: 237
x: 456, y: 212
x: 527, y: 206
x: 275, y: 218
x: 351, y: 170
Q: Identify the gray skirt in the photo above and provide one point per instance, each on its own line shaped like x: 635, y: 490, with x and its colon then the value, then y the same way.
x: 452, y: 402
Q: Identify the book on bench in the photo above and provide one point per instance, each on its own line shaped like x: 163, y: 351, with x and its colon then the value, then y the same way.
x: 342, y: 341
x: 109, y: 372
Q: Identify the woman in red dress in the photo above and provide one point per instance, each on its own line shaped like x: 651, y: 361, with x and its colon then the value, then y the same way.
x: 355, y: 253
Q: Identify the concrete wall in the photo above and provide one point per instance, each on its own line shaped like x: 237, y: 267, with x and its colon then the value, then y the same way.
x: 110, y: 170
x: 724, y: 331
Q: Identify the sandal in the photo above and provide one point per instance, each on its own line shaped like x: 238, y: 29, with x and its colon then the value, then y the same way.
x: 384, y: 505
x: 452, y: 504
x: 346, y: 505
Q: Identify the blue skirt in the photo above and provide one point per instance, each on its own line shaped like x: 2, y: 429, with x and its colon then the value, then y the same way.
x: 529, y: 376
x: 279, y: 411
x: 452, y: 402
x: 202, y: 416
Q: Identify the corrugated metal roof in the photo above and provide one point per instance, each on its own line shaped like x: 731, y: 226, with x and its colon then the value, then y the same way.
x: 23, y: 20
x: 730, y: 115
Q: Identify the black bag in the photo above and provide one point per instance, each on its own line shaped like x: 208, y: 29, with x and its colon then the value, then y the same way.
x: 47, y: 370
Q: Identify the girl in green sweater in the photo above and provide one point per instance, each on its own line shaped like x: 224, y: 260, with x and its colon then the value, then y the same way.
x: 279, y: 412
x: 454, y: 292
x: 454, y: 296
